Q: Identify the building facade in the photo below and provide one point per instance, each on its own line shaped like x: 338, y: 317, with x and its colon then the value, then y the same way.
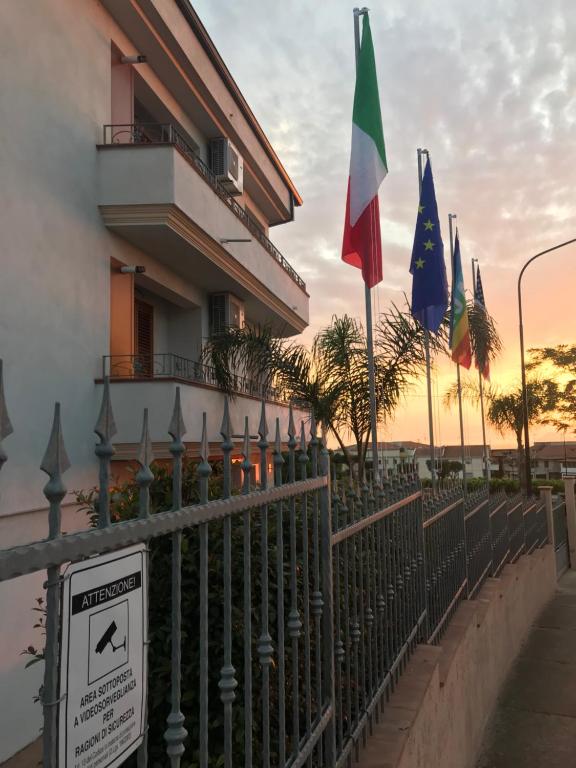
x: 450, y: 456
x: 139, y: 198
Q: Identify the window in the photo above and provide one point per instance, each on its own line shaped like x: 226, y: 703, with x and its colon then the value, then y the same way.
x: 143, y: 338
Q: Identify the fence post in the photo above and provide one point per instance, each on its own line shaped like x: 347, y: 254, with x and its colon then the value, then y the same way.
x: 571, y: 518
x: 546, y: 497
x: 54, y: 463
x: 327, y: 615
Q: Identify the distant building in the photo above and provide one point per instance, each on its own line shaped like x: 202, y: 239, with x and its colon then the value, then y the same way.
x: 473, y: 456
x: 552, y: 460
x: 504, y: 463
x: 393, y: 455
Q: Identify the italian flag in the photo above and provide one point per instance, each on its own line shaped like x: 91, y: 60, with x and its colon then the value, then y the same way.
x: 362, y: 245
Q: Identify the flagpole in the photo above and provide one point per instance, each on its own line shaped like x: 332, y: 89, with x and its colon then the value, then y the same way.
x: 481, y: 389
x: 452, y: 216
x: 427, y: 351
x: 368, y: 302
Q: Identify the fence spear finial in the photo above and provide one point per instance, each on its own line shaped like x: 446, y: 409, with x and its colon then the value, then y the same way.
x: 106, y: 426
x: 105, y: 429
x: 204, y: 469
x: 303, y: 447
x: 226, y: 427
x: 5, y: 423
x: 177, y: 428
x: 313, y: 426
x: 55, y: 461
x: 144, y: 476
x: 246, y: 463
x: 291, y: 425
x: 263, y: 426
x: 278, y: 439
x: 204, y: 441
x: 145, y: 455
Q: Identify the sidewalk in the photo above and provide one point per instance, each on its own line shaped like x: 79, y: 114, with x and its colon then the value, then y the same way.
x: 534, y: 725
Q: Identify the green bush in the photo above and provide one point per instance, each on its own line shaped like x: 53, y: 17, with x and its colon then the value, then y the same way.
x: 557, y: 485
x: 475, y: 483
x: 125, y: 506
x: 505, y: 484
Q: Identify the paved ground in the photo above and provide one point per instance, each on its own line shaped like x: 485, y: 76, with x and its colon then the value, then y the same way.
x: 535, y: 722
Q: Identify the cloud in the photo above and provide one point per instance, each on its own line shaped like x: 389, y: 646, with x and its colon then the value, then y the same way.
x: 489, y: 88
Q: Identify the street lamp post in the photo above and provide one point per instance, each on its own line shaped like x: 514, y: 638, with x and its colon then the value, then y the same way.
x: 527, y: 460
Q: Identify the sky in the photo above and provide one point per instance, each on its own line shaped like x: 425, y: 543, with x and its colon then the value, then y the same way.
x: 489, y: 89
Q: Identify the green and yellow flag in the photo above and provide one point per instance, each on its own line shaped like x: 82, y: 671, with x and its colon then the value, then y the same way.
x: 459, y: 328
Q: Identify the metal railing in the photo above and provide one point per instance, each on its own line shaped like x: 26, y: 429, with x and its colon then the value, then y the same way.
x: 379, y: 598
x: 166, y: 365
x: 281, y: 614
x: 560, y: 535
x: 166, y: 133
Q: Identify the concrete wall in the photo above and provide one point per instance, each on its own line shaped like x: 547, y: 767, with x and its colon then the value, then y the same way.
x: 437, y: 715
x: 131, y: 397
x: 160, y: 176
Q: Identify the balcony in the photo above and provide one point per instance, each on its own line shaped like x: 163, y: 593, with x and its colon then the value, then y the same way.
x: 157, y: 193
x: 150, y: 381
x: 168, y: 366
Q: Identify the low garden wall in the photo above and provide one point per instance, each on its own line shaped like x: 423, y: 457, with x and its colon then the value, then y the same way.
x: 437, y: 715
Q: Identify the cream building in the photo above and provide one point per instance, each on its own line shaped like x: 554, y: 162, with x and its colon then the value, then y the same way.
x: 138, y: 197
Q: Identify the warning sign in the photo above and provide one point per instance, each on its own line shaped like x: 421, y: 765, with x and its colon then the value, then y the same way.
x: 103, y: 661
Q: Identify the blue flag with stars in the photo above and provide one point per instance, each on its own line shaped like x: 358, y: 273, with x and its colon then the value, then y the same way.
x: 428, y: 270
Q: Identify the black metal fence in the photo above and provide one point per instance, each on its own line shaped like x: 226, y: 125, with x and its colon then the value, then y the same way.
x: 166, y: 365
x: 280, y: 616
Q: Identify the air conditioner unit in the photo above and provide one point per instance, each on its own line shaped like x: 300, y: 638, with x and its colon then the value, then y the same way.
x: 227, y: 165
x: 226, y: 311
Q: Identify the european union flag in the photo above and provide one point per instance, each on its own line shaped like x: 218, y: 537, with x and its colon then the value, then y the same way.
x: 428, y: 270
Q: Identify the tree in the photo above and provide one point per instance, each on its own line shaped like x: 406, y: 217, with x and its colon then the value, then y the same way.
x: 484, y: 337
x: 446, y: 468
x: 505, y: 408
x: 560, y: 361
x: 332, y: 376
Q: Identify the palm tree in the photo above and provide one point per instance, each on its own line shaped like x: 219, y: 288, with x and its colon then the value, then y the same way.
x: 505, y: 410
x: 484, y: 337
x: 331, y: 376
x: 560, y: 361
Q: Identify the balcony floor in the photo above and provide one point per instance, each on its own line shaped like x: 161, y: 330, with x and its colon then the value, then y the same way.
x: 535, y: 722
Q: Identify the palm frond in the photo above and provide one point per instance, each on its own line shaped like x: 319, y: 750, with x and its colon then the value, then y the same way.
x: 484, y: 337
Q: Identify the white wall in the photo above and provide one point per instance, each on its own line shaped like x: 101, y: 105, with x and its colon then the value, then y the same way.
x: 129, y: 399
x: 54, y: 291
x: 186, y: 332
x: 54, y: 295
x: 125, y: 179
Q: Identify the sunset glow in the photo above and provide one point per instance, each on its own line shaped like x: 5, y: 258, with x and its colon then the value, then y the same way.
x: 489, y: 90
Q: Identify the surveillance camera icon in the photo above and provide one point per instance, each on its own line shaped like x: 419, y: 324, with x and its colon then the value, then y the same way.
x: 107, y: 639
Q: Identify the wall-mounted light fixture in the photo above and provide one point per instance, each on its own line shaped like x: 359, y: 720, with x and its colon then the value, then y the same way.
x: 235, y: 239
x: 132, y: 270
x: 136, y: 59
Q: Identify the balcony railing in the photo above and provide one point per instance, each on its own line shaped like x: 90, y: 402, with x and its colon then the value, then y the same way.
x: 169, y: 366
x: 166, y: 133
